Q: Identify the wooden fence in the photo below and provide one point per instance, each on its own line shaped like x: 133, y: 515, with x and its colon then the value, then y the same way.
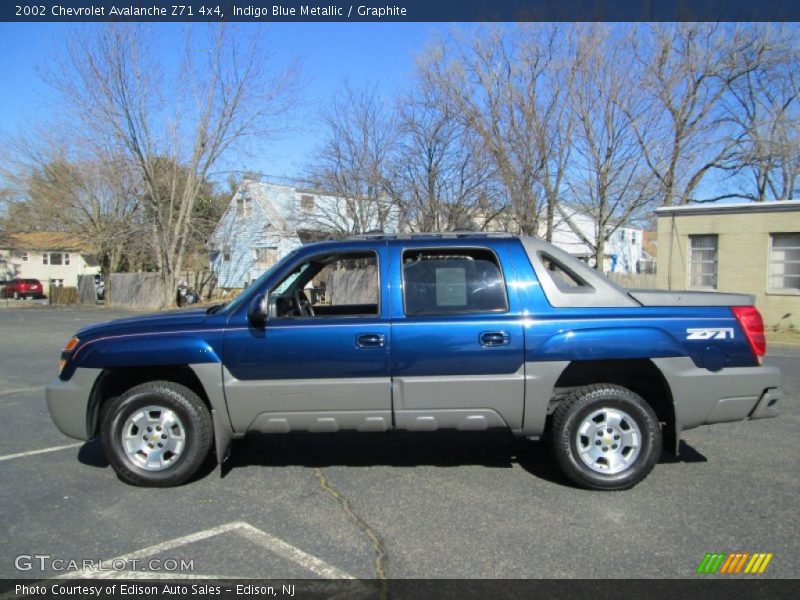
x: 63, y: 296
x: 138, y: 291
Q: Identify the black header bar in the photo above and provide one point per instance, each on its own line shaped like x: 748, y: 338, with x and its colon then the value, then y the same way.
x: 708, y: 588
x: 397, y: 10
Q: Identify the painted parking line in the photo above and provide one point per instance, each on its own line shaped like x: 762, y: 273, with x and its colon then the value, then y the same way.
x: 292, y: 553
x: 41, y: 451
x: 275, y: 545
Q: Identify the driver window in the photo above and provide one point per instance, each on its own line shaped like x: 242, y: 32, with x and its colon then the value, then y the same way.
x: 331, y: 285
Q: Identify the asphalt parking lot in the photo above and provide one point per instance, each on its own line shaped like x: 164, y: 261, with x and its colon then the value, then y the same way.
x: 396, y: 505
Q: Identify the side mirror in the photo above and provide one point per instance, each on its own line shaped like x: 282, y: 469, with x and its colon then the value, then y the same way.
x: 258, y: 312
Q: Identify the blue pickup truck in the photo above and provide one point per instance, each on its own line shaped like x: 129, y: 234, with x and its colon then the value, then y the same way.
x: 377, y: 333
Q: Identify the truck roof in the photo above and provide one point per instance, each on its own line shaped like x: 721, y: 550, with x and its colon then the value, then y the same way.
x: 445, y: 235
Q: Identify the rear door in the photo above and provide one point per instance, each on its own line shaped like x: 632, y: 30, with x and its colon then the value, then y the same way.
x: 457, y: 339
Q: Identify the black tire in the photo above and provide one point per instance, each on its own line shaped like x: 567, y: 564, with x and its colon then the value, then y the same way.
x: 196, y: 425
x: 576, y: 409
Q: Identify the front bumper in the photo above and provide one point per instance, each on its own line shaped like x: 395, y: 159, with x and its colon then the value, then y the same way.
x: 68, y: 402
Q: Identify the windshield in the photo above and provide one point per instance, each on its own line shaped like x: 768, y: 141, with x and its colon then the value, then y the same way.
x: 290, y: 279
x: 244, y: 294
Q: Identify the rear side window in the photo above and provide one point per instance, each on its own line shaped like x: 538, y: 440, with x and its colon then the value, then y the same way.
x: 452, y: 281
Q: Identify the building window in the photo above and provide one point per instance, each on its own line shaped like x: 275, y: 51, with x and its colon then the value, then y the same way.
x: 52, y: 258
x: 265, y: 257
x: 307, y: 203
x: 784, y: 262
x: 242, y: 206
x: 633, y: 237
x: 24, y: 257
x: 703, y: 261
x: 226, y: 254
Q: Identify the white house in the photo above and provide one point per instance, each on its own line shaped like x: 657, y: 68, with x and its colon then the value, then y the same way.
x: 54, y: 258
x: 265, y: 221
x: 572, y: 229
x: 575, y: 232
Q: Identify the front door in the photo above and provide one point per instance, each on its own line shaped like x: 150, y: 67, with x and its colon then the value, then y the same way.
x: 457, y: 340
x: 321, y: 362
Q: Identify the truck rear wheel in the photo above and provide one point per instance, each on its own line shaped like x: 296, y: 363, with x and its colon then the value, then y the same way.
x: 606, y: 437
x: 157, y: 434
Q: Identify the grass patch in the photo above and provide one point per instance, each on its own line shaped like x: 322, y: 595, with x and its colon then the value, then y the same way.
x: 783, y: 336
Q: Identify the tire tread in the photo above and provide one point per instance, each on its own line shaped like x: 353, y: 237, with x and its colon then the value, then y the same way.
x: 561, y: 434
x: 201, y: 424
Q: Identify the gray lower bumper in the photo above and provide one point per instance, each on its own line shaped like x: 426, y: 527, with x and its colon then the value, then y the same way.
x: 769, y: 405
x: 68, y: 402
x: 702, y: 397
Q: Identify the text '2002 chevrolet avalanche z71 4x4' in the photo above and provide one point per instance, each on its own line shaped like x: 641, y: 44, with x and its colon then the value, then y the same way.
x: 441, y: 331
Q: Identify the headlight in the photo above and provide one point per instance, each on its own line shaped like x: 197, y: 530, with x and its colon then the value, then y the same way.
x: 65, y: 354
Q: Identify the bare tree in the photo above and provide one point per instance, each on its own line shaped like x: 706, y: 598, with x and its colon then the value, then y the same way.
x: 360, y: 139
x: 94, y: 199
x: 173, y: 126
x: 763, y: 112
x: 441, y: 176
x: 510, y: 90
x: 609, y: 180
x: 687, y: 70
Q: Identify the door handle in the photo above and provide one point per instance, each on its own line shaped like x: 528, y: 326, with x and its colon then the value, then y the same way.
x: 370, y: 340
x: 494, y: 338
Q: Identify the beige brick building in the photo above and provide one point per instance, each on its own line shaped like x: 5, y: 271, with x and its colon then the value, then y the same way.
x: 750, y: 247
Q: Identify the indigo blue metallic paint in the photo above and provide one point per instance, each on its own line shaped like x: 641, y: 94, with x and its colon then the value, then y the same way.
x: 451, y: 345
x: 306, y: 349
x: 309, y: 348
x: 170, y: 338
x: 618, y: 333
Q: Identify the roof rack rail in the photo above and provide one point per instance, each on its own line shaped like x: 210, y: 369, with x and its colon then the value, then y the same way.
x: 445, y: 235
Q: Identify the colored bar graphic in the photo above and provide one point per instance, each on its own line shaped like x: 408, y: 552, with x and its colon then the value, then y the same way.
x: 729, y: 562
x: 733, y: 563
x: 711, y: 562
x: 740, y: 564
x: 765, y: 563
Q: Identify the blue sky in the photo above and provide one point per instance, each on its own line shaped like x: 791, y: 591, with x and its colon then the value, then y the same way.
x: 370, y: 53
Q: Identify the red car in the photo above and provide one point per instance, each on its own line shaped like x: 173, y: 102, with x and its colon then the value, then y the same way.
x: 23, y: 288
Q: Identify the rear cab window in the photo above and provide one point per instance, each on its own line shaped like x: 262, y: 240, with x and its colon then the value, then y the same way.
x: 450, y: 281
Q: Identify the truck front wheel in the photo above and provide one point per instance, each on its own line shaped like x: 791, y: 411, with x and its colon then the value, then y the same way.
x: 606, y: 437
x: 157, y: 434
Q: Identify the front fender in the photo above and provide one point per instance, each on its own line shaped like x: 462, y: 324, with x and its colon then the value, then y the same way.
x: 143, y: 350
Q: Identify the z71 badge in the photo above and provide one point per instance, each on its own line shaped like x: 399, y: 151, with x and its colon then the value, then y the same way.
x: 710, y: 333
